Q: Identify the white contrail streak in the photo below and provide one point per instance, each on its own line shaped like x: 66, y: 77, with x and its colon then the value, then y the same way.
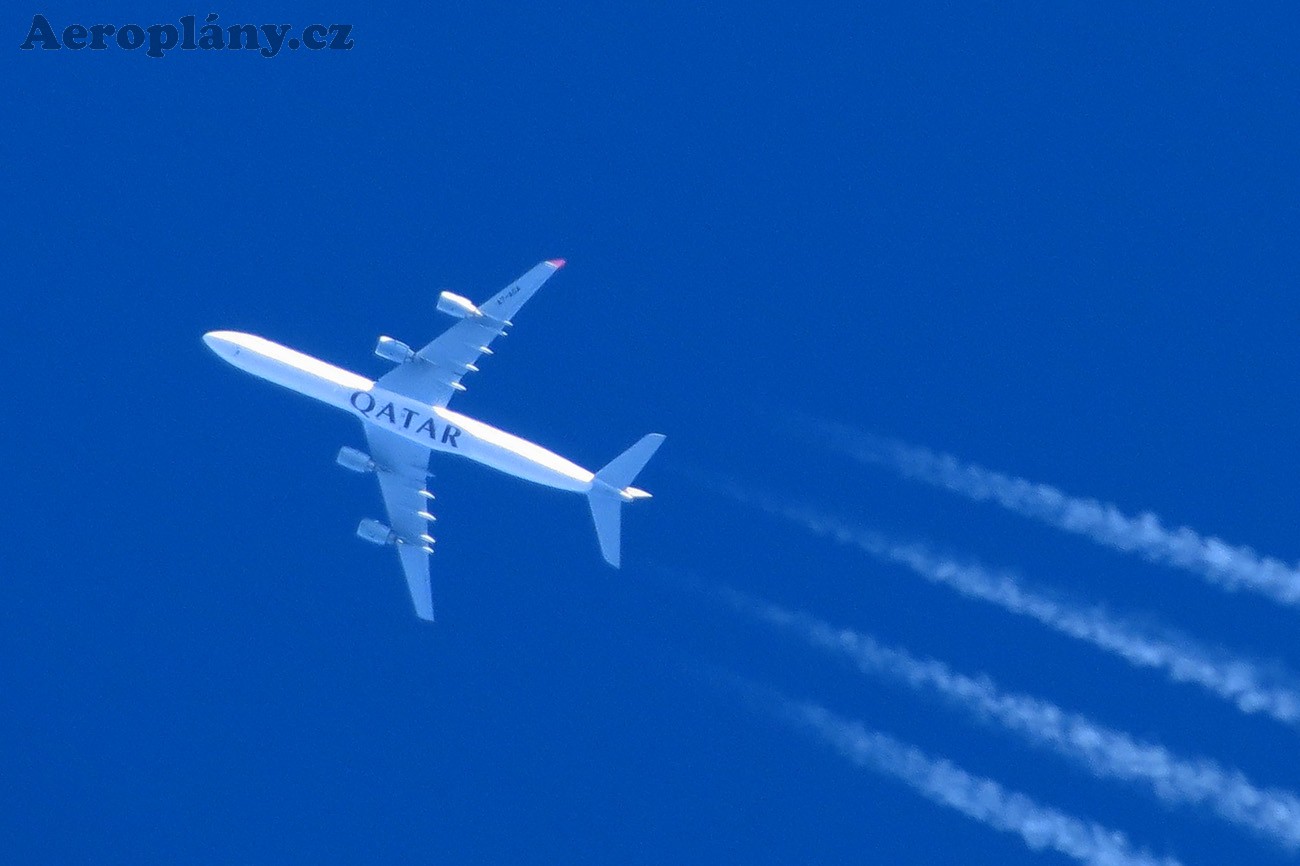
x: 1228, y: 566
x: 984, y: 800
x: 1104, y: 752
x: 1254, y: 687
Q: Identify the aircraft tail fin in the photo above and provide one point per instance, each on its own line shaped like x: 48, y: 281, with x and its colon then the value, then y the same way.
x: 612, y: 487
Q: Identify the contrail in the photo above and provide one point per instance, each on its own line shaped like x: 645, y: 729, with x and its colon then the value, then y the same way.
x: 1227, y: 566
x: 1254, y: 687
x: 1104, y: 752
x: 984, y: 800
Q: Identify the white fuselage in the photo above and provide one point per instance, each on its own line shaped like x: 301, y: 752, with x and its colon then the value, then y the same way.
x: 433, y: 427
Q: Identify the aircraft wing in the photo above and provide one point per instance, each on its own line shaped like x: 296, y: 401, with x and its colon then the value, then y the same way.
x: 402, y: 468
x: 434, y: 375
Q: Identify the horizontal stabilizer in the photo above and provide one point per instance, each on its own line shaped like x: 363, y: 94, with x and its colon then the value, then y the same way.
x: 612, y: 487
x: 623, y: 469
x: 606, y: 512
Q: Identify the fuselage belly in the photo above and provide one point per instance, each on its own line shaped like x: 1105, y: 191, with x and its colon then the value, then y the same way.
x: 433, y: 427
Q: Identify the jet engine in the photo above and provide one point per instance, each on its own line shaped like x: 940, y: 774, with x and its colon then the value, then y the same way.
x: 458, y: 307
x: 357, y: 461
x: 383, y: 535
x: 393, y: 350
x: 375, y: 532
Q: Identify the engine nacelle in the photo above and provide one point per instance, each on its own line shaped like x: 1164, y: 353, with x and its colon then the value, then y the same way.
x: 357, y: 461
x: 375, y: 532
x: 458, y: 307
x: 393, y: 350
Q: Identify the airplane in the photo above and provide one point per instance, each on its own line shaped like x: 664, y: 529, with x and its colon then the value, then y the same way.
x: 405, y: 417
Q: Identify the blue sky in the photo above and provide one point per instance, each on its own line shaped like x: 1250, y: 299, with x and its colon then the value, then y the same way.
x: 1057, y: 243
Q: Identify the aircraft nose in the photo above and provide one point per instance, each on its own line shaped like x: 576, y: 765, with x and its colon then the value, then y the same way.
x: 220, y: 342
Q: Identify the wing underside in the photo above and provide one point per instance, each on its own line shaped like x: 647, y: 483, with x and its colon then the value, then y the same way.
x: 402, y: 467
x: 433, y: 375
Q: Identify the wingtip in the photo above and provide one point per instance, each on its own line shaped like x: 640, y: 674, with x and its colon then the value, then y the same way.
x: 555, y: 263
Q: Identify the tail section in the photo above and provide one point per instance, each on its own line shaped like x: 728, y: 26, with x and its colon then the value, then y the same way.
x: 607, y: 512
x: 612, y: 487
